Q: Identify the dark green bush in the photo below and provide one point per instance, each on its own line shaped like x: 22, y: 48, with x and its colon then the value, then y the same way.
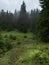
x: 5, y: 36
x: 8, y: 46
x: 2, y: 44
x: 18, y: 43
x: 5, y: 46
x: 1, y: 51
x: 0, y: 36
x: 12, y: 37
x: 25, y: 36
x: 44, y: 60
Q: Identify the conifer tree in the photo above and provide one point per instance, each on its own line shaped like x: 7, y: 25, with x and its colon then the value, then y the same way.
x: 23, y: 20
x: 43, y: 24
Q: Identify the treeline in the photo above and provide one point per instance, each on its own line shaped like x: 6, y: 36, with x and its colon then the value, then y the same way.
x: 21, y: 21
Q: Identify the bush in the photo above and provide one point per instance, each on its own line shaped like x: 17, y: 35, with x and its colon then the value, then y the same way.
x: 18, y: 43
x: 1, y: 51
x: 5, y: 36
x: 12, y: 37
x: 5, y: 46
x: 2, y: 44
x: 44, y: 60
x: 1, y: 37
x: 25, y: 36
x: 9, y: 46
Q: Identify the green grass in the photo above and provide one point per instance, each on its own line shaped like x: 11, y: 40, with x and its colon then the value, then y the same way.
x: 29, y: 52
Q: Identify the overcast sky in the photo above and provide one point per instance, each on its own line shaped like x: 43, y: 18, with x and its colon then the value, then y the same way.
x: 16, y: 4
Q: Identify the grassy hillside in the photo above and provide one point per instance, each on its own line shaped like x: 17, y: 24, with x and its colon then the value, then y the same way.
x: 25, y: 50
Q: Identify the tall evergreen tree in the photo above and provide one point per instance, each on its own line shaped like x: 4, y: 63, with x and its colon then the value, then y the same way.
x: 23, y: 20
x: 43, y: 24
x: 23, y: 8
x: 34, y: 16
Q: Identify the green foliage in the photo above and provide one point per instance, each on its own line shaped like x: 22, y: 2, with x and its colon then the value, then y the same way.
x: 5, y: 36
x: 43, y: 24
x: 12, y: 37
x: 41, y: 59
x: 5, y: 46
x: 18, y: 43
x: 2, y: 44
x: 25, y: 36
x: 1, y: 51
x: 1, y: 37
x: 23, y: 51
x: 8, y: 45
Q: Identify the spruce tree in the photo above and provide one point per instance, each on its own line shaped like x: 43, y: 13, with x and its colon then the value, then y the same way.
x: 23, y: 20
x: 43, y: 24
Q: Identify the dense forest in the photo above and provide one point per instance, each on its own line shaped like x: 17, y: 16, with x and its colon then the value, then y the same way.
x: 22, y: 21
x: 24, y: 36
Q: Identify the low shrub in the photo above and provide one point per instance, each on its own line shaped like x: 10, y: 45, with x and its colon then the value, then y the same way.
x: 1, y: 51
x: 18, y: 43
x: 2, y: 44
x: 0, y: 36
x: 5, y: 36
x: 25, y: 36
x: 9, y: 46
x: 5, y: 46
x: 41, y: 60
x: 12, y: 37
